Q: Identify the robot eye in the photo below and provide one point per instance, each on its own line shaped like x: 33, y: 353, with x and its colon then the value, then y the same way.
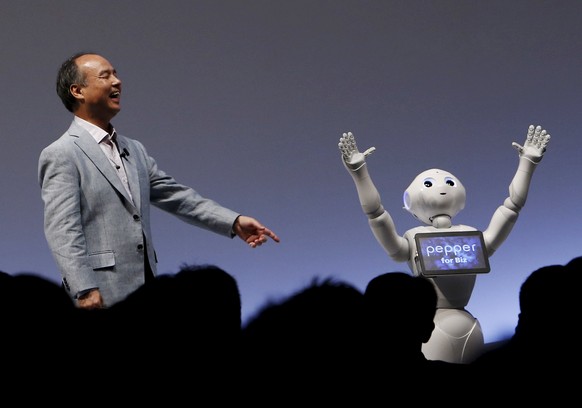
x: 428, y: 182
x: 450, y: 182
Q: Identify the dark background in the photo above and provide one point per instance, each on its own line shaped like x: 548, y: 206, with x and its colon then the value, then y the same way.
x: 246, y: 100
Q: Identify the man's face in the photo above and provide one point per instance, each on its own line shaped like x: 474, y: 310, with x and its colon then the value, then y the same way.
x: 101, y: 93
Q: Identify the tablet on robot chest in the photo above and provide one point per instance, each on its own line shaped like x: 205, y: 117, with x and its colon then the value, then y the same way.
x: 451, y: 253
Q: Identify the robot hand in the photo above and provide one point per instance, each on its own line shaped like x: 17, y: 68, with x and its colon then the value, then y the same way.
x: 535, y: 144
x: 351, y: 156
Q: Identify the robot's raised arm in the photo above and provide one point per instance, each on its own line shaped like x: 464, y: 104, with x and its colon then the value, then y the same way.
x: 380, y: 221
x: 504, y: 218
x: 355, y: 163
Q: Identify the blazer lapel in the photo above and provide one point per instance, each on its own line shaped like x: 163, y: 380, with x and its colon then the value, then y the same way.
x: 129, y: 162
x: 93, y: 151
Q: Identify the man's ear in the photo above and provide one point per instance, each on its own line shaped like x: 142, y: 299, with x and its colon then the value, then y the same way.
x: 77, y: 91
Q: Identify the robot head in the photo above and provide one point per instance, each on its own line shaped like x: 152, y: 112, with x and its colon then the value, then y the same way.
x: 434, y: 192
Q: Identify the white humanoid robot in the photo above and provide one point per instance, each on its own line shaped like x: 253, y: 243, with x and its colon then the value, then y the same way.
x: 435, y: 197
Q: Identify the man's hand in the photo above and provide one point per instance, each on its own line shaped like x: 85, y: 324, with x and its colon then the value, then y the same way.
x: 91, y: 300
x: 535, y: 144
x: 252, y: 231
x: 351, y: 156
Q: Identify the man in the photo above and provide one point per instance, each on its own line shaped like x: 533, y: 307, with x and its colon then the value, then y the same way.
x: 97, y: 186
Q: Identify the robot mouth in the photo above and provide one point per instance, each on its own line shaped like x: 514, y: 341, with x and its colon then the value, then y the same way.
x: 443, y: 193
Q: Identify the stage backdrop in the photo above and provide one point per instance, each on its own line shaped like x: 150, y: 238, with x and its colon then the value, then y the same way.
x: 246, y: 100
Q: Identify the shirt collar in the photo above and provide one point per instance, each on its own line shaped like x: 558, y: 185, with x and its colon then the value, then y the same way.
x: 96, y: 132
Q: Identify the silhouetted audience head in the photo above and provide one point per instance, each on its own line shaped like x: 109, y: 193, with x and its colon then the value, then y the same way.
x: 186, y: 322
x: 323, y: 310
x: 214, y: 295
x: 38, y: 318
x: 400, y: 309
x: 544, y: 343
x: 545, y: 300
x: 308, y: 339
x: 37, y: 306
x: 326, y: 334
x: 200, y: 301
x: 575, y: 264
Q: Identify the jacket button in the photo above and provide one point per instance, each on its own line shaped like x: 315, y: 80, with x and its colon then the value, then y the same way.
x: 136, y: 217
x: 140, y: 247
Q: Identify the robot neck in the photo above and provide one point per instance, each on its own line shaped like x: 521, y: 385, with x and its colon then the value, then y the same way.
x: 441, y: 221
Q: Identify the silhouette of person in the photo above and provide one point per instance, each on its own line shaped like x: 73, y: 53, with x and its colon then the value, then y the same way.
x: 188, y: 321
x: 542, y: 350
x: 400, y: 310
x: 308, y: 341
x: 37, y: 320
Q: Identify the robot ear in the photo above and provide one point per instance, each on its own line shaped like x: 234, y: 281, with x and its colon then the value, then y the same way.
x: 408, y: 204
x: 406, y: 199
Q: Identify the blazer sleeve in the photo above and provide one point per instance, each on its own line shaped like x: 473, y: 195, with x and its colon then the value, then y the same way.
x: 183, y: 201
x: 59, y: 181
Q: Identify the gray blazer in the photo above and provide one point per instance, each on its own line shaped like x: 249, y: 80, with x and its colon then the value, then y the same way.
x: 94, y: 230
